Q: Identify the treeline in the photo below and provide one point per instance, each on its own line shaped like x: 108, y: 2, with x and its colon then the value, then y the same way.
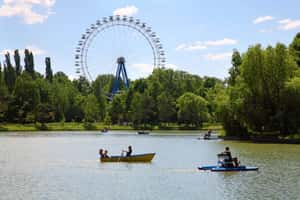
x: 165, y: 97
x: 261, y: 94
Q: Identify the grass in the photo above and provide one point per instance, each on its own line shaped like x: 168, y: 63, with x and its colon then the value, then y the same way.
x: 77, y: 126
x: 293, y: 137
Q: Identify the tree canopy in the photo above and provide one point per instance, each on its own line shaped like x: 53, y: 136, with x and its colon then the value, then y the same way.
x: 262, y: 93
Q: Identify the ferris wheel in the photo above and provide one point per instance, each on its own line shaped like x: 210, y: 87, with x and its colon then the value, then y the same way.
x: 127, y: 31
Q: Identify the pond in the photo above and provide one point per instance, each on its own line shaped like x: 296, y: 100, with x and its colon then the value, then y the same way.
x: 65, y: 165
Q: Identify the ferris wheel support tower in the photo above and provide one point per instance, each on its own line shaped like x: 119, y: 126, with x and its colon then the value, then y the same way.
x: 87, y: 39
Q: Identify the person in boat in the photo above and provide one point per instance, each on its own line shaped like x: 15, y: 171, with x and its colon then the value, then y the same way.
x: 101, y: 153
x: 105, y: 154
x: 207, y: 135
x: 229, y: 161
x: 128, y: 152
x: 104, y: 130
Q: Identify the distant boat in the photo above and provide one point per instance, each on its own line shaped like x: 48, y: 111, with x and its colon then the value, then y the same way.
x: 209, y: 138
x: 105, y: 130
x: 143, y: 132
x: 134, y: 158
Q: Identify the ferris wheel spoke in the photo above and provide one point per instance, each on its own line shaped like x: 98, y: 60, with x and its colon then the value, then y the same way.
x: 118, y: 36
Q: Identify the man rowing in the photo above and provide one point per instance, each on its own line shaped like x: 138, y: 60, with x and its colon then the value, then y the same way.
x: 226, y: 160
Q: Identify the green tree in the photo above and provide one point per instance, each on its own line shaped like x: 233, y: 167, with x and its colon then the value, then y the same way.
x: 17, y: 59
x: 289, y: 117
x: 234, y: 71
x: 90, y: 109
x: 264, y: 73
x: 142, y: 106
x: 101, y: 88
x: 192, y: 109
x: 9, y: 73
x: 49, y: 73
x: 166, y: 108
x: 295, y: 48
x: 45, y: 113
x: 3, y: 98
x: 27, y: 97
x: 83, y: 86
x: 117, y: 109
x: 29, y: 62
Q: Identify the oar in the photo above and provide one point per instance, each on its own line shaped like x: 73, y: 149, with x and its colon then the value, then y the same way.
x: 121, y: 156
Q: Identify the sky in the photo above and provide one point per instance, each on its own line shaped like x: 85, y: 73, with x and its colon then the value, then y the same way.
x: 198, y: 36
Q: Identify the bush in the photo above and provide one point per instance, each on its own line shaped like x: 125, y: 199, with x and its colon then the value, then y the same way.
x: 89, y: 126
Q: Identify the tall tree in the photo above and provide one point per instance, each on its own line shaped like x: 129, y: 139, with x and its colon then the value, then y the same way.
x: 295, y: 48
x: 17, y: 59
x: 91, y: 108
x: 1, y: 73
x: 29, y: 62
x: 290, y: 121
x: 9, y: 73
x: 117, y: 109
x: 3, y: 97
x: 234, y: 71
x: 166, y: 108
x: 49, y: 73
x: 142, y: 109
x: 27, y: 97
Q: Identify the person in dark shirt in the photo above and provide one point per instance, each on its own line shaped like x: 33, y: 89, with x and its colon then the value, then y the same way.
x: 105, y: 154
x: 129, y: 151
x: 228, y: 153
x: 101, y: 153
x: 228, y: 160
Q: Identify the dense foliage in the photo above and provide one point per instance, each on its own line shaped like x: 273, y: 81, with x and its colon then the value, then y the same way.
x: 263, y: 91
x: 261, y: 94
x: 165, y: 97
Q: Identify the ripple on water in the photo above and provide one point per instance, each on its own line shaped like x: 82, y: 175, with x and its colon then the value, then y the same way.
x: 63, y: 166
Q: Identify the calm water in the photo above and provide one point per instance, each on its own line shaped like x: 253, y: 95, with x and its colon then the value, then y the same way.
x: 65, y: 166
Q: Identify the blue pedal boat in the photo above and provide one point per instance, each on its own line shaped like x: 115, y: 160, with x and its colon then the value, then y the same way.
x: 226, y: 166
x: 217, y: 168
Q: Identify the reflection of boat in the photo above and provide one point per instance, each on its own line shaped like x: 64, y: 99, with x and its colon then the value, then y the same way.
x: 134, y: 158
x: 143, y: 132
x: 226, y: 163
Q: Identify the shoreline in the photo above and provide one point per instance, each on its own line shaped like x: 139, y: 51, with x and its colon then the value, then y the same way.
x: 76, y: 126
x: 262, y: 139
x: 170, y: 130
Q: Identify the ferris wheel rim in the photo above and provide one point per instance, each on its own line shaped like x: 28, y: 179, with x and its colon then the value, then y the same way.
x: 81, y: 60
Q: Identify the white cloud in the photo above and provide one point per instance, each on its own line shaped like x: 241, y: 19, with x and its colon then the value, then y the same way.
x: 200, y: 45
x: 191, y: 47
x: 284, y: 21
x: 262, y: 19
x: 35, y: 50
x: 288, y: 24
x: 218, y: 56
x: 127, y: 10
x: 225, y: 41
x: 25, y: 10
